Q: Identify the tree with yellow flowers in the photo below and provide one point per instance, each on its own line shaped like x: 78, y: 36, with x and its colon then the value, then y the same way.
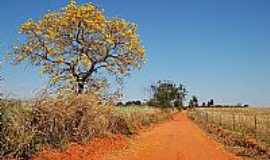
x: 75, y: 44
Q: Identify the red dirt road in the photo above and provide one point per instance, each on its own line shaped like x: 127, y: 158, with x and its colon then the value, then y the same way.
x: 177, y: 139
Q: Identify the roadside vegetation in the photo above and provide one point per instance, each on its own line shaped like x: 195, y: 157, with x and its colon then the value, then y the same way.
x: 26, y: 127
x: 245, y: 130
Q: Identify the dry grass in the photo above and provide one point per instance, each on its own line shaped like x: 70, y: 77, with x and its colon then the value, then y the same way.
x: 26, y: 128
x: 247, y: 121
x: 247, y: 129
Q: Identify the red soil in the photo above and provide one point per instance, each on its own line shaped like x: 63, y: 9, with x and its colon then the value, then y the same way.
x: 177, y: 139
x: 92, y: 151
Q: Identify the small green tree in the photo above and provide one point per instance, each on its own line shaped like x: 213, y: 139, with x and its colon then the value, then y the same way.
x: 210, y: 103
x: 168, y: 94
x: 203, y: 104
x: 194, y: 102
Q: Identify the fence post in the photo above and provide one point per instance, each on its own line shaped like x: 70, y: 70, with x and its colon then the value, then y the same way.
x: 207, y: 117
x: 233, y: 122
x: 220, y: 120
x: 255, y: 125
x: 255, y: 122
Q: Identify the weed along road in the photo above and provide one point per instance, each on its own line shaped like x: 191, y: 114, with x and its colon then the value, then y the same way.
x: 176, y: 139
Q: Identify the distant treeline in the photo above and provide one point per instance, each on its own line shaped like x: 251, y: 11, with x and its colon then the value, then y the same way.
x: 140, y: 103
x: 225, y: 106
x: 130, y: 103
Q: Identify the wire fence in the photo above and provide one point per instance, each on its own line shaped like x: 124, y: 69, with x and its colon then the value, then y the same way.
x: 246, y: 123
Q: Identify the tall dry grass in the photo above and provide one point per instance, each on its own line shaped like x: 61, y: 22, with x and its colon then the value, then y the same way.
x: 244, y: 130
x: 253, y: 122
x: 26, y: 127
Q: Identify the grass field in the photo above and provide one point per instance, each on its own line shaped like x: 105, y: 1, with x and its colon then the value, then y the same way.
x: 253, y: 122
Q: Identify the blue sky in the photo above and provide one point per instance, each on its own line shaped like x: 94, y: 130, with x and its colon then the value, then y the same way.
x: 219, y: 49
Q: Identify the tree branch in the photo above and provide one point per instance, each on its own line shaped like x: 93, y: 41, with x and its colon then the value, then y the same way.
x: 45, y: 57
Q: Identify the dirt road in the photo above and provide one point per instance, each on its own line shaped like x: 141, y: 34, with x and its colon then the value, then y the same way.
x: 177, y: 139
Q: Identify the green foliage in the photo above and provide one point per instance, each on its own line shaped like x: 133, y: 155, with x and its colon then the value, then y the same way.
x: 167, y: 94
x: 133, y: 103
x: 210, y: 103
x: 194, y: 102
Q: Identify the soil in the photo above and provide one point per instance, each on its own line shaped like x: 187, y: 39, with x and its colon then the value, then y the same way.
x: 92, y: 151
x: 176, y: 139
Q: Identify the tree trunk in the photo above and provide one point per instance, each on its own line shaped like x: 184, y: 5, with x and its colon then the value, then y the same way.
x: 80, y: 88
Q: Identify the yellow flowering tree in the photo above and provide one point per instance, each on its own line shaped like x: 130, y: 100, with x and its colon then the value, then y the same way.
x: 78, y: 42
